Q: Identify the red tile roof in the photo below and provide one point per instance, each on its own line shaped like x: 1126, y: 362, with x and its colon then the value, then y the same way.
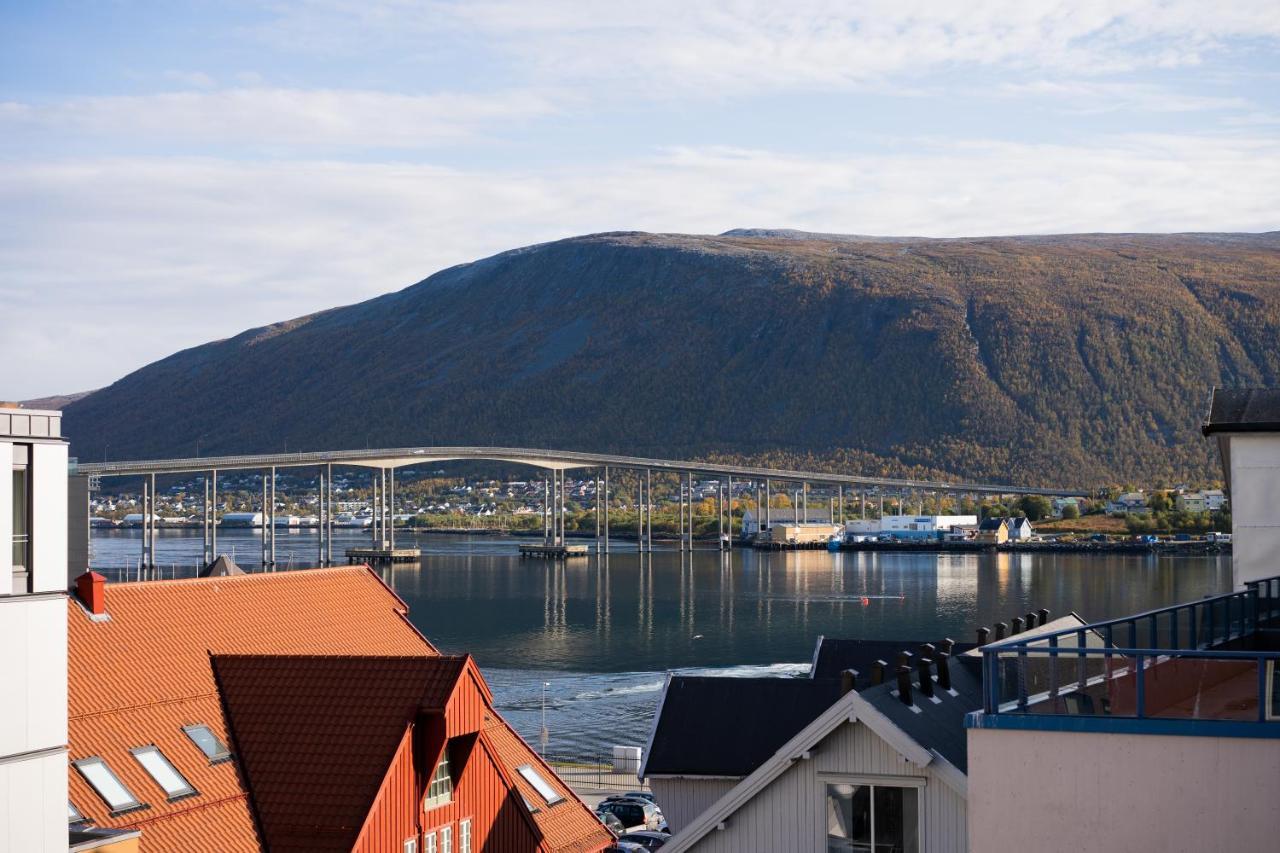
x: 142, y: 675
x: 314, y: 735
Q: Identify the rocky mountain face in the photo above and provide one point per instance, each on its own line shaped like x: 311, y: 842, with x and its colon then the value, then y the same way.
x: 1061, y: 360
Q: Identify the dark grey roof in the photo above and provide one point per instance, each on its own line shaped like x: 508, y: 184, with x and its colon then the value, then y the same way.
x: 935, y: 725
x: 835, y: 655
x: 222, y: 567
x: 991, y: 523
x: 1243, y: 410
x: 710, y: 726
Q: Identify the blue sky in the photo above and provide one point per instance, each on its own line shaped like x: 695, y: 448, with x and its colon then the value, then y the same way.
x: 173, y: 173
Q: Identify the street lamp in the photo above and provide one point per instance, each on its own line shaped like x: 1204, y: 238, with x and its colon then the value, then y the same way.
x: 544, y: 735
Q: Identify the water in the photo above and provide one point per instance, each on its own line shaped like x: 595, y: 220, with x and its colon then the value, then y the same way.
x: 603, y: 633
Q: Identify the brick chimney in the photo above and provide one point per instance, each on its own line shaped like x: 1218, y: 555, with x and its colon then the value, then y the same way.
x: 91, y: 589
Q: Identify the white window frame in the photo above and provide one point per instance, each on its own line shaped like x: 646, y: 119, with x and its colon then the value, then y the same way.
x: 99, y: 761
x: 73, y: 814
x: 446, y: 838
x: 434, y: 801
x: 917, y: 782
x: 411, y: 845
x: 429, y: 842
x: 464, y: 835
x: 186, y: 789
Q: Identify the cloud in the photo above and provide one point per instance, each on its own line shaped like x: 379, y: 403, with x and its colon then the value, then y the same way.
x: 267, y: 116
x: 748, y: 46
x: 117, y: 262
x: 1091, y: 96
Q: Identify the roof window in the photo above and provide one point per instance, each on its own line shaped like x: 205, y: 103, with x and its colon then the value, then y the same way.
x: 166, y: 775
x: 73, y: 813
x: 534, y: 778
x: 203, y: 737
x: 113, y: 792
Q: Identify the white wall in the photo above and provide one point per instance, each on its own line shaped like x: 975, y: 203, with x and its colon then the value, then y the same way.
x: 48, y: 517
x: 6, y: 518
x: 790, y: 814
x: 1064, y: 792
x: 682, y: 800
x: 33, y: 723
x: 1255, y: 506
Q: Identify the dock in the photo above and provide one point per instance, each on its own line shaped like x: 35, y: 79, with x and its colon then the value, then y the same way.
x: 373, y: 556
x: 554, y: 552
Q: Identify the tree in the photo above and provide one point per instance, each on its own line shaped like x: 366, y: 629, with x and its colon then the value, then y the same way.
x: 1070, y: 512
x: 1035, y: 507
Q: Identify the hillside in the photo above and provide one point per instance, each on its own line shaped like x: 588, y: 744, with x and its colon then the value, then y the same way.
x: 1064, y: 360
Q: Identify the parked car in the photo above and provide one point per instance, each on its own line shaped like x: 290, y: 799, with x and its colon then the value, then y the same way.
x: 611, y: 822
x: 624, y: 847
x: 634, y: 814
x: 648, y: 839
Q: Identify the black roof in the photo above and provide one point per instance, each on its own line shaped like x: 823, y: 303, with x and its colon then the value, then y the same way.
x: 992, y: 523
x: 834, y: 656
x: 709, y: 726
x: 1243, y: 410
x: 936, y: 725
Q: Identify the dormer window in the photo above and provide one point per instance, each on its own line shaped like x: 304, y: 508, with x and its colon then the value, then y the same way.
x: 440, y: 790
x: 108, y: 786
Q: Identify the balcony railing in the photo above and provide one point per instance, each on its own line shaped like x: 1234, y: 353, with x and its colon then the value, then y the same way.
x: 1200, y: 660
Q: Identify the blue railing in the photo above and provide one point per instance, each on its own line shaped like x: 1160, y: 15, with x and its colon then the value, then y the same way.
x: 1190, y: 661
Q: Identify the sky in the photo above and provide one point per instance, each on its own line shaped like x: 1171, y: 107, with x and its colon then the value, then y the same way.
x: 175, y: 172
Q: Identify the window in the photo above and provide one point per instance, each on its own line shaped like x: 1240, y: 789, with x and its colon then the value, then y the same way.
x: 165, y: 774
x: 73, y: 813
x: 446, y: 839
x: 21, y: 518
x: 429, y: 843
x: 113, y: 792
x: 440, y: 790
x: 464, y: 836
x: 203, y: 737
x: 539, y: 784
x: 411, y: 845
x: 872, y: 817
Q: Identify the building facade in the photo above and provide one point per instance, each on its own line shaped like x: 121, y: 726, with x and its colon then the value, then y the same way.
x: 33, y: 631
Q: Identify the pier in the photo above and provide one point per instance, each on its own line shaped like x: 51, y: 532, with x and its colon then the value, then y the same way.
x: 380, y: 556
x: 554, y: 552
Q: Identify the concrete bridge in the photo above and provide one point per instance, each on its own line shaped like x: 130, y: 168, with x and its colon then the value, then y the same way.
x: 383, y: 464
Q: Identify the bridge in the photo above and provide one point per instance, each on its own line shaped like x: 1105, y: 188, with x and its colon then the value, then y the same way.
x: 383, y: 463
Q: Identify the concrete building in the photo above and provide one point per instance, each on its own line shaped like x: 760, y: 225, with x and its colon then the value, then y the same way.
x: 33, y: 632
x: 1246, y: 424
x: 753, y: 520
x: 923, y: 527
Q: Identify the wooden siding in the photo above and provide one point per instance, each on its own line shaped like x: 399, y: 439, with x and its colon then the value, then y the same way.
x: 683, y: 800
x: 790, y: 813
x: 393, y: 817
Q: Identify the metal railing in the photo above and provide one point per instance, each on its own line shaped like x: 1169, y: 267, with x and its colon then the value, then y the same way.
x: 593, y: 772
x: 1189, y: 661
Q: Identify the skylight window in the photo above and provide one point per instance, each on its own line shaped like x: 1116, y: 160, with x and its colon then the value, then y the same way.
x: 165, y: 774
x: 73, y: 813
x: 539, y: 784
x: 203, y: 737
x: 113, y: 792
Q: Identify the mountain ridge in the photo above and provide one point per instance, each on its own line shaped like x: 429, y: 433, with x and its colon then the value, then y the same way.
x: 1045, y: 358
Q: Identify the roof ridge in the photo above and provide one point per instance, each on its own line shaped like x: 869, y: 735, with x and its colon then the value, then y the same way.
x: 244, y: 578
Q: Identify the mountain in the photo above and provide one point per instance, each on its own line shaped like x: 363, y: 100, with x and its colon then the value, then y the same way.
x: 56, y: 401
x: 1054, y: 360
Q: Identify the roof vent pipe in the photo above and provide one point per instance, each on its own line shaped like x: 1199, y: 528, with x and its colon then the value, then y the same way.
x: 1044, y: 616
x: 1015, y: 625
x: 1001, y: 628
x: 904, y: 684
x: 926, y: 676
x: 848, y: 681
x: 983, y: 634
x: 944, y: 671
x: 877, y: 672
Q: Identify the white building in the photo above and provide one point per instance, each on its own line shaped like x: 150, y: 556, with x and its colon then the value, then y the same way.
x: 33, y: 632
x: 923, y: 526
x: 753, y: 521
x: 1246, y: 423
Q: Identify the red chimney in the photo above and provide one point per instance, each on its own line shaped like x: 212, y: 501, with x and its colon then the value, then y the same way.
x: 91, y: 587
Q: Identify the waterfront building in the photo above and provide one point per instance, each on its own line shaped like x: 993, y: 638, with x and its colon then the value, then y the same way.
x: 923, y: 527
x: 294, y: 710
x: 753, y: 520
x: 33, y: 631
x: 1246, y: 424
